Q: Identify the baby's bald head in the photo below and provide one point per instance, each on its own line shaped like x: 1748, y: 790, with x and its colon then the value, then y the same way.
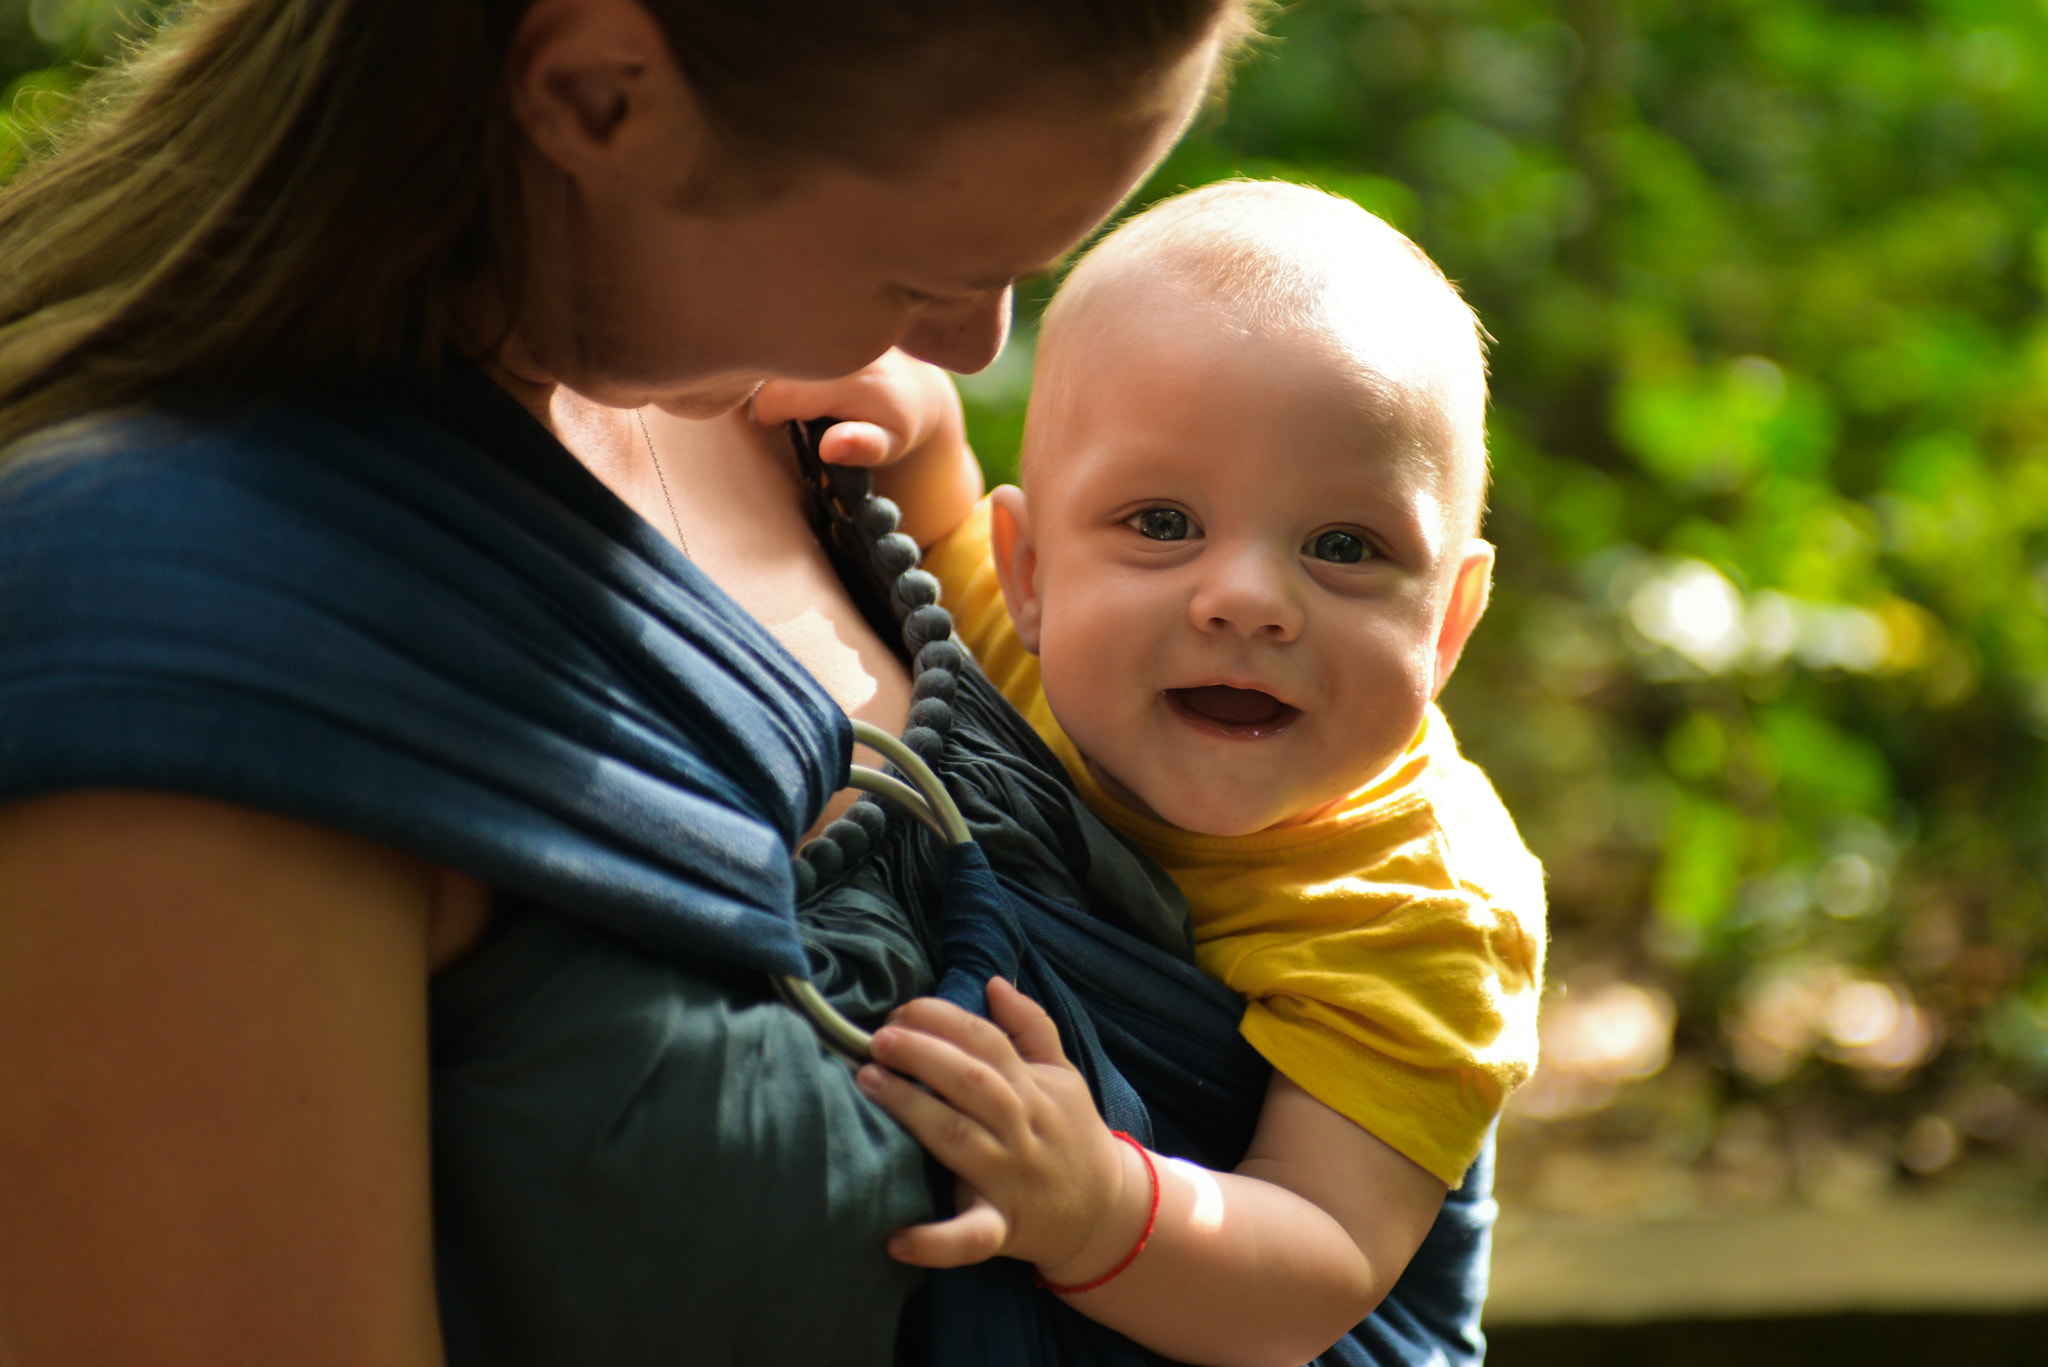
x: 1278, y: 262
x: 1247, y: 555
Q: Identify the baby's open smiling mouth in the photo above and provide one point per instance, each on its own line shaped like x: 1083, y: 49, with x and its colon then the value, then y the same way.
x: 1245, y: 712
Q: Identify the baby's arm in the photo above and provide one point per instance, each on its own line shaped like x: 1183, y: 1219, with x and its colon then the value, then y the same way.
x: 901, y: 417
x: 1269, y: 1264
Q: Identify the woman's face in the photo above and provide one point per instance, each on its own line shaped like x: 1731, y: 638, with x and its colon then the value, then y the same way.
x: 635, y: 295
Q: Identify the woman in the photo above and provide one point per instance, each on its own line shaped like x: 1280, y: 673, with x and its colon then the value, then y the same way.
x: 214, y: 1015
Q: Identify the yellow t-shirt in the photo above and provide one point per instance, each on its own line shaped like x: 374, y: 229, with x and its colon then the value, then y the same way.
x: 1390, y: 953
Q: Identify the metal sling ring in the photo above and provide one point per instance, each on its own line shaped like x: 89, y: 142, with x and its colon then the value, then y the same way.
x: 932, y: 805
x: 938, y: 810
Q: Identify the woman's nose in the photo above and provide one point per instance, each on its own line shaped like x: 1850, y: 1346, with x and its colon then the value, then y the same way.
x: 1247, y: 593
x: 961, y: 335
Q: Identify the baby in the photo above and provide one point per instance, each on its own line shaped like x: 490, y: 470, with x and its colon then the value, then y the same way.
x: 1244, y: 562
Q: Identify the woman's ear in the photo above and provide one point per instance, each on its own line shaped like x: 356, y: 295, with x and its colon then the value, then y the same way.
x: 1468, y: 604
x: 591, y: 80
x: 1016, y: 557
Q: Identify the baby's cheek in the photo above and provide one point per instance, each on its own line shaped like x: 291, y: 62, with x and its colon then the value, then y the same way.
x: 1388, y: 657
x: 1075, y: 687
x: 1089, y: 684
x: 1381, y: 672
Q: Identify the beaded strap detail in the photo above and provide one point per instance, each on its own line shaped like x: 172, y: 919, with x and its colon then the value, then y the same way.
x: 859, y: 529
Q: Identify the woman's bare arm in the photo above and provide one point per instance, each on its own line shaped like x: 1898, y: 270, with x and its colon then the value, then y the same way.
x: 213, y: 1089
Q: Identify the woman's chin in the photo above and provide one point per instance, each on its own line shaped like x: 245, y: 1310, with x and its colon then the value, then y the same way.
x: 712, y: 398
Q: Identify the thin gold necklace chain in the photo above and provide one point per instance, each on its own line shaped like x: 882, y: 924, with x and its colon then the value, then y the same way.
x: 655, y: 461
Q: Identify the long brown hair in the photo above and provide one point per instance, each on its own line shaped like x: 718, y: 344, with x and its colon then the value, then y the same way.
x: 271, y: 192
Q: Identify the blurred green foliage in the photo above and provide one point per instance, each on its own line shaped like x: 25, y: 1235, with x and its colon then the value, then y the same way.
x: 46, y: 48
x: 1765, y: 679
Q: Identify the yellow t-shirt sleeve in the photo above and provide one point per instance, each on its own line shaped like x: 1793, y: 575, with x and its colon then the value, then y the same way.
x: 1408, y: 1007
x: 1391, y: 958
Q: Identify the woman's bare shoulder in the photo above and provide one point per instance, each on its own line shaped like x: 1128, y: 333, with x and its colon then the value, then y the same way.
x: 213, y: 1035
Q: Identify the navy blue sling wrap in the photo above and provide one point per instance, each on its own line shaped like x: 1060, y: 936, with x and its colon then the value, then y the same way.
x: 351, y: 615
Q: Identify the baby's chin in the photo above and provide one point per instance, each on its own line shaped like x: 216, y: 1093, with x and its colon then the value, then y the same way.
x: 1226, y: 819
x: 1216, y: 813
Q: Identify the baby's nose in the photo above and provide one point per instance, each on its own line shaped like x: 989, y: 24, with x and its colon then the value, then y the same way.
x: 1248, y: 594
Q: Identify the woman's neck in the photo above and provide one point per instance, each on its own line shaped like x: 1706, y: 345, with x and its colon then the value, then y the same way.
x: 487, y: 335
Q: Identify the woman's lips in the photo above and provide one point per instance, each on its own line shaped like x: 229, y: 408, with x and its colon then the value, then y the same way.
x: 1245, y: 712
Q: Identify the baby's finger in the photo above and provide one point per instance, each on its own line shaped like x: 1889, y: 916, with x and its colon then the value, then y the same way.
x: 779, y: 401
x: 1031, y: 1031
x: 975, y: 1235
x: 973, y: 1034
x: 984, y: 1091
x: 859, y: 443
x: 955, y: 1139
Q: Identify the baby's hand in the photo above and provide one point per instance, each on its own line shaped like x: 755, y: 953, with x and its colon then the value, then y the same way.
x: 1042, y: 1177
x: 895, y: 407
x: 901, y: 416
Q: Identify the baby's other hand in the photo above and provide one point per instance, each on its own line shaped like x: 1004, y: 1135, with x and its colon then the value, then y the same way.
x: 1042, y: 1178
x: 893, y: 408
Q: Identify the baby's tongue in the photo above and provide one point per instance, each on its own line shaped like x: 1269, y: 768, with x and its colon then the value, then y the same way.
x: 1231, y: 706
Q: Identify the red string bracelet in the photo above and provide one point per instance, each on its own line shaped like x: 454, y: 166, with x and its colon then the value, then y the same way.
x: 1151, y: 1219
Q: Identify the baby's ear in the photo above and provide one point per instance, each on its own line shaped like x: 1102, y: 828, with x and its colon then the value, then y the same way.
x: 1016, y: 557
x: 1467, y: 606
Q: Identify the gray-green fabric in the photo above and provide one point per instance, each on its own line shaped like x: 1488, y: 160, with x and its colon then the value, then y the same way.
x: 638, y: 1163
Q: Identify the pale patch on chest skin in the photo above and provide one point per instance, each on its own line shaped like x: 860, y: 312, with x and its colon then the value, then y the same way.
x: 814, y: 638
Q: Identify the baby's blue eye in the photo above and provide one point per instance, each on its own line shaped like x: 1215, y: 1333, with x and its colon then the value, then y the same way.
x: 1339, y: 548
x: 1162, y: 524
